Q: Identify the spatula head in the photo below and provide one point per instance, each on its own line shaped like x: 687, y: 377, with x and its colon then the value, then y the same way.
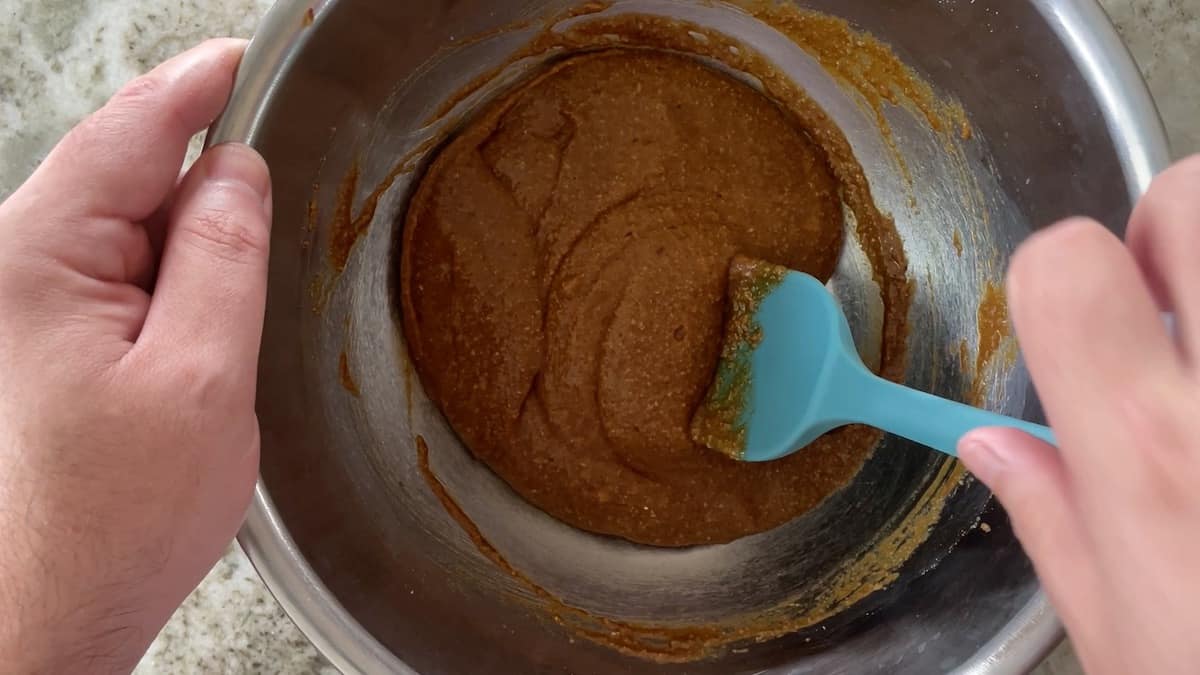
x: 784, y: 337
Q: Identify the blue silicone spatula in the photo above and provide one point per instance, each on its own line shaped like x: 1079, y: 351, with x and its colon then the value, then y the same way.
x: 789, y: 372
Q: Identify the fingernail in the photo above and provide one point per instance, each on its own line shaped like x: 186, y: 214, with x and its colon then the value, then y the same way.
x: 981, y: 458
x: 238, y: 164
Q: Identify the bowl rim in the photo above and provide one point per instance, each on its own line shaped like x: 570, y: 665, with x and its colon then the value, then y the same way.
x: 1140, y: 141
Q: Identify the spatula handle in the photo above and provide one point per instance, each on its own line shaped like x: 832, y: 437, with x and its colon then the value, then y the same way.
x: 929, y: 420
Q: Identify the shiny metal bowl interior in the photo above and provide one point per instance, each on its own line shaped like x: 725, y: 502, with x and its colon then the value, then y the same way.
x: 367, y: 560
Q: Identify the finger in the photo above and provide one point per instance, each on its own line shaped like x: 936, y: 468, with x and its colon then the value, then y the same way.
x: 105, y: 249
x: 1093, y: 340
x: 115, y: 250
x: 212, y: 284
x: 155, y: 227
x: 1030, y: 480
x: 123, y: 160
x: 1164, y: 236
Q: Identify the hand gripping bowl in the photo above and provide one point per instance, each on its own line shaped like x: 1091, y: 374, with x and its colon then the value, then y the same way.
x: 369, y: 562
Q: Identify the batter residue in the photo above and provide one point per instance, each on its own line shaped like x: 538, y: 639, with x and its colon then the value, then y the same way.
x: 564, y: 270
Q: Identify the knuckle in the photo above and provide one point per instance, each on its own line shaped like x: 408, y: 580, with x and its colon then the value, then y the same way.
x: 1069, y: 234
x: 144, y: 90
x: 1182, y: 178
x: 93, y: 127
x: 1156, y: 472
x: 226, y: 234
x: 1045, y: 254
x: 146, y: 101
x: 1171, y: 198
x: 1035, y: 257
x: 118, y: 119
x: 1170, y: 205
x: 1064, y: 278
x: 202, y: 380
x: 1150, y: 418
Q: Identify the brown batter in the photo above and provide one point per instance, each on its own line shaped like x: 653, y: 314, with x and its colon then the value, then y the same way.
x: 564, y: 270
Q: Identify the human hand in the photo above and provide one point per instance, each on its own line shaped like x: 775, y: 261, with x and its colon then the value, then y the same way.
x: 132, y: 307
x: 1111, y: 519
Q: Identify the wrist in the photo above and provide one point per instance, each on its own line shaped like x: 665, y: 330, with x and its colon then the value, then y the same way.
x: 67, y: 604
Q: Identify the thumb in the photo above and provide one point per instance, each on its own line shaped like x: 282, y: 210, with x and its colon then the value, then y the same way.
x: 210, y: 296
x: 1030, y: 479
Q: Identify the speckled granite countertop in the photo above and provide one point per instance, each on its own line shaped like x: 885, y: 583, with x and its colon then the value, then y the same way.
x: 60, y: 59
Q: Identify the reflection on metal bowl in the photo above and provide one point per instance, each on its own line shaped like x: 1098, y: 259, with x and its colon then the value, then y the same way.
x: 366, y: 557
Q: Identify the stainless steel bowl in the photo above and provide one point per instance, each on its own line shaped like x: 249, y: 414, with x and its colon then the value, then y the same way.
x: 366, y: 559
